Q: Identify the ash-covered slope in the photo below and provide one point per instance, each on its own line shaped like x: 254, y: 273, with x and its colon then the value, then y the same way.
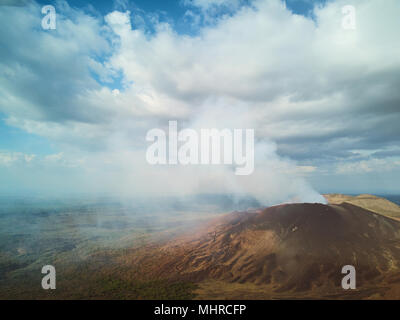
x: 291, y: 247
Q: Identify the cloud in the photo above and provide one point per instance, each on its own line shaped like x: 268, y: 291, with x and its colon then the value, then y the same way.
x: 208, y: 5
x: 44, y: 74
x: 314, y: 92
x: 306, y: 82
x: 12, y: 158
x: 370, y: 165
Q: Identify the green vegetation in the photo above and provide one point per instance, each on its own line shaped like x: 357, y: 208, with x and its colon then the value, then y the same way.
x: 89, y: 244
x: 146, y: 290
x: 102, y: 288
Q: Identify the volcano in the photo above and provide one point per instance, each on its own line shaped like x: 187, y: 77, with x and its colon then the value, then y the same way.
x: 290, y: 248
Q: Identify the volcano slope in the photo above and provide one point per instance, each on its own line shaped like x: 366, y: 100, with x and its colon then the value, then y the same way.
x: 285, y: 251
x: 369, y: 202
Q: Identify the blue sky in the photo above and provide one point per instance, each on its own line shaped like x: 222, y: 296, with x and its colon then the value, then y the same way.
x: 174, y: 8
x: 17, y: 140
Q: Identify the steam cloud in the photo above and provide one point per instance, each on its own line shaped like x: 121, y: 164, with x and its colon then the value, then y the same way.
x: 274, y: 180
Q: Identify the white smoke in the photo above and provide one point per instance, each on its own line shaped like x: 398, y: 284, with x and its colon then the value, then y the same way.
x: 274, y: 180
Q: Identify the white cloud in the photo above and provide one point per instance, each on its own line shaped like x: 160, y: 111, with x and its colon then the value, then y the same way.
x: 12, y: 158
x: 319, y: 91
x: 367, y: 166
x: 209, y: 4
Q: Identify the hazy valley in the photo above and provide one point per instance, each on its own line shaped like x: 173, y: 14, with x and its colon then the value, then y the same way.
x: 178, y: 250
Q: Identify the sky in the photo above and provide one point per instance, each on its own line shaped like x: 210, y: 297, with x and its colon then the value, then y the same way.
x: 76, y: 102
